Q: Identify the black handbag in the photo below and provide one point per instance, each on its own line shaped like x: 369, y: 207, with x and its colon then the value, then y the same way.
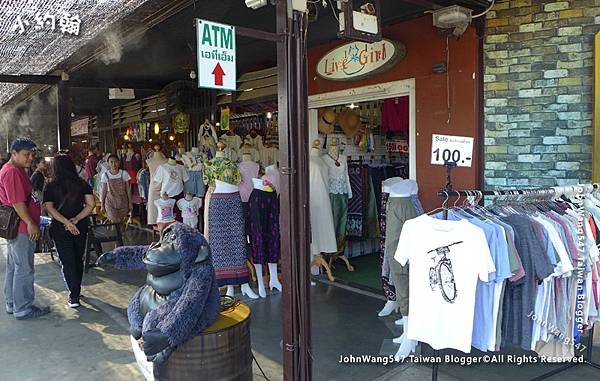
x: 9, y: 222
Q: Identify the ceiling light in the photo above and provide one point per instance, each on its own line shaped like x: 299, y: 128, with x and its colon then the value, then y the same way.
x: 352, y: 106
x: 269, y: 115
x: 156, y: 128
x: 255, y: 4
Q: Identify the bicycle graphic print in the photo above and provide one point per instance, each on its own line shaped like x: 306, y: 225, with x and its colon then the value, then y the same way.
x: 441, y: 274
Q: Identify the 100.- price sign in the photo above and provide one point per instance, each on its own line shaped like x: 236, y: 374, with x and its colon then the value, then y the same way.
x: 453, y: 149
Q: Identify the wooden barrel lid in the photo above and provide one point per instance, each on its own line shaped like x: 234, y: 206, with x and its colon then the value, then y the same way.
x: 229, y: 318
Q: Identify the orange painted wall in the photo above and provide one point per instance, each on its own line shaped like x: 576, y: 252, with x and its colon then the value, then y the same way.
x: 425, y: 49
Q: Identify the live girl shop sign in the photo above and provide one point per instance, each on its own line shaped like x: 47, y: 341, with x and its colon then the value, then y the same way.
x: 358, y: 60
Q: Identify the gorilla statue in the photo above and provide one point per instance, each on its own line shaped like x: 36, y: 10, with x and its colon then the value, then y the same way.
x: 180, y: 298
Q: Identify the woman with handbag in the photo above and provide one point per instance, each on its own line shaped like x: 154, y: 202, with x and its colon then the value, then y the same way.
x: 69, y: 200
x: 115, y: 192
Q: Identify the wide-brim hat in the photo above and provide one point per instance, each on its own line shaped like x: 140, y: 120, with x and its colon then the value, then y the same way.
x: 349, y: 122
x: 326, y: 120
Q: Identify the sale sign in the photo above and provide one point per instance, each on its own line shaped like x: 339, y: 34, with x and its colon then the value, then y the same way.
x: 452, y: 149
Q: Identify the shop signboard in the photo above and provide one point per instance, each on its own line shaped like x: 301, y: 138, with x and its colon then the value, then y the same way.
x: 79, y: 127
x: 216, y: 55
x: 396, y: 146
x: 453, y: 149
x: 358, y: 60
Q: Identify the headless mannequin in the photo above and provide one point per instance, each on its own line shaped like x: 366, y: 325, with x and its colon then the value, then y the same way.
x: 333, y: 151
x: 154, y: 162
x: 129, y: 154
x: 273, y: 276
x: 223, y: 187
x: 391, y: 305
x: 318, y: 261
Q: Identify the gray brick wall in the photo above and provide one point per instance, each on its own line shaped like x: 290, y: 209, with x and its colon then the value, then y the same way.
x: 538, y: 92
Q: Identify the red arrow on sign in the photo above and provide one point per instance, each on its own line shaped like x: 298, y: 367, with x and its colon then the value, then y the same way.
x: 218, y: 73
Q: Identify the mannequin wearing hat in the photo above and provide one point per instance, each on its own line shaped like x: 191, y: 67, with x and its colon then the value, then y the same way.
x: 226, y: 225
x: 157, y: 159
x: 339, y: 193
x: 321, y: 217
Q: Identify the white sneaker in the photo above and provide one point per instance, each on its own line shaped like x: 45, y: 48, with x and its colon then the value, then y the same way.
x: 74, y: 303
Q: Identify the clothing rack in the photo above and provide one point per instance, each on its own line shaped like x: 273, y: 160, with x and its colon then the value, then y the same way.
x: 553, y: 191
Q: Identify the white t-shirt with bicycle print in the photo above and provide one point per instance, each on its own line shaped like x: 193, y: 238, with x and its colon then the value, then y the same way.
x: 446, y: 259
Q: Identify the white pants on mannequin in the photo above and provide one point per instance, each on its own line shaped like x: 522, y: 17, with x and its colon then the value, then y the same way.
x: 407, y: 346
x: 389, y: 307
x: 273, y: 279
x: 246, y: 290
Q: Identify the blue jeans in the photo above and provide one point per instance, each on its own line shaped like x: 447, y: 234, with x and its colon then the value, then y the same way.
x: 18, y: 285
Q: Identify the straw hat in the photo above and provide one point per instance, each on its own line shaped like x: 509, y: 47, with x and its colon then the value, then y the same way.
x: 349, y: 122
x: 326, y: 120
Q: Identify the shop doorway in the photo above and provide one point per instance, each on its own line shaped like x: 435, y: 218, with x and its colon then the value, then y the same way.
x: 383, y: 147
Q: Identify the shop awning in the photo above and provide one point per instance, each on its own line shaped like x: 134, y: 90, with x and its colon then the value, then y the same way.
x: 36, y: 36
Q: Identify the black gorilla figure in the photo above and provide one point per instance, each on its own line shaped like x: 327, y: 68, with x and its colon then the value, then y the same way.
x: 180, y: 298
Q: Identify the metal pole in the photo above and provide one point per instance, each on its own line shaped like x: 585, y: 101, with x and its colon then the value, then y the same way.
x: 294, y: 222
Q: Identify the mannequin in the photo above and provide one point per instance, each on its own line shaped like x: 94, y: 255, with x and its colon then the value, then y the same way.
x: 165, y: 207
x: 250, y: 148
x: 211, y: 185
x: 321, y: 216
x: 180, y: 152
x: 130, y: 164
x: 249, y: 170
x: 207, y: 139
x: 402, y: 206
x: 193, y: 162
x: 388, y: 284
x: 234, y: 143
x: 273, y: 176
x: 226, y: 230
x: 263, y: 229
x: 190, y: 206
x: 156, y: 160
x: 170, y: 177
x: 339, y: 193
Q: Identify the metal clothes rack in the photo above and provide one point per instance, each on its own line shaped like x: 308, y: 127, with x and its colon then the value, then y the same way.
x: 447, y: 192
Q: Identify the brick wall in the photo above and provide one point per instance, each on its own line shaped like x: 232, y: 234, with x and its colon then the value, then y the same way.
x: 538, y: 58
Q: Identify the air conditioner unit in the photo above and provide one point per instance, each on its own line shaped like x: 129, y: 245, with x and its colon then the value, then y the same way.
x: 454, y: 17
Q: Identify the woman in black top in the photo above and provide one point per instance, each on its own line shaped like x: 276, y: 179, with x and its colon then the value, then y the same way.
x: 38, y: 177
x: 69, y: 200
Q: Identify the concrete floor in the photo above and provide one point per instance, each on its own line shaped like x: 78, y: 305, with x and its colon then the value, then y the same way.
x: 92, y: 343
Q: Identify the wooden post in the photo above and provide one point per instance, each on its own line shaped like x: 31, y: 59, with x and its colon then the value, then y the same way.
x: 63, y: 110
x: 596, y: 142
x: 292, y: 97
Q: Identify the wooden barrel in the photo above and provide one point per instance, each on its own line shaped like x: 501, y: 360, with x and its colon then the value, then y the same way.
x: 222, y: 352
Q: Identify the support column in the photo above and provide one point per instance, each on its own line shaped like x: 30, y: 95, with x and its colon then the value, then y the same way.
x: 63, y: 110
x: 294, y: 218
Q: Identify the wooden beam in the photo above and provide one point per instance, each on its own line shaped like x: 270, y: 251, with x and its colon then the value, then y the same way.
x: 138, y: 84
x: 256, y: 33
x: 424, y: 3
x: 596, y: 141
x: 63, y: 110
x: 30, y: 79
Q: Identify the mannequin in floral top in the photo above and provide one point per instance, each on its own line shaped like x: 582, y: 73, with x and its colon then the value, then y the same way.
x: 225, y: 223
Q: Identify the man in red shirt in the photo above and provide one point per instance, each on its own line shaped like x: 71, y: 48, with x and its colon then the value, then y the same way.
x: 16, y: 190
